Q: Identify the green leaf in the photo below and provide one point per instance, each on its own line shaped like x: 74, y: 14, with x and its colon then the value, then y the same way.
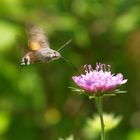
x: 80, y: 91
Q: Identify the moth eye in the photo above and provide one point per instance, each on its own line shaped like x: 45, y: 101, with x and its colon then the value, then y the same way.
x: 56, y: 53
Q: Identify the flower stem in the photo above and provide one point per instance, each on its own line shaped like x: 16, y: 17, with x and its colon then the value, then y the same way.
x: 99, y: 107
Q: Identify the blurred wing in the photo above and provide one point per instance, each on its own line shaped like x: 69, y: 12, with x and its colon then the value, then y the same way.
x: 37, y: 38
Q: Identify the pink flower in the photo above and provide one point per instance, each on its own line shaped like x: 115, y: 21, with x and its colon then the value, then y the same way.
x: 99, y: 79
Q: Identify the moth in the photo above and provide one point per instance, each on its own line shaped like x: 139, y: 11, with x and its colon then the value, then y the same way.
x: 39, y: 48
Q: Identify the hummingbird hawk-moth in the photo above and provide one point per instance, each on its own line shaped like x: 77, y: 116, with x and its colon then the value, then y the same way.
x: 39, y: 49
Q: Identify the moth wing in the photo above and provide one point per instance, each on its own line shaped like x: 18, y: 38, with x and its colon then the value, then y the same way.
x: 37, y: 38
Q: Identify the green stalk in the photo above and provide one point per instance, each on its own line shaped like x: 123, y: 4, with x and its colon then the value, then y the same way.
x: 99, y: 107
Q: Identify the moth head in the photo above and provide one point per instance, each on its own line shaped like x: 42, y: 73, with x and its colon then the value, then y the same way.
x: 56, y: 55
x: 53, y: 55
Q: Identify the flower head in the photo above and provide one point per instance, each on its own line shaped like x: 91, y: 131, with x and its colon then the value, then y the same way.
x: 99, y: 80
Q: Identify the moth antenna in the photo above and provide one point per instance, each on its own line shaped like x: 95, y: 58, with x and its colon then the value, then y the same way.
x: 75, y: 68
x: 64, y: 45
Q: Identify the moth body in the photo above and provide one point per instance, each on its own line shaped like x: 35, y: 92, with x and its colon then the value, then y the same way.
x: 39, y: 48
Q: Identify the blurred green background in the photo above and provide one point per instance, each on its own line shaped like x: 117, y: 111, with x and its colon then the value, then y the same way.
x: 35, y: 101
